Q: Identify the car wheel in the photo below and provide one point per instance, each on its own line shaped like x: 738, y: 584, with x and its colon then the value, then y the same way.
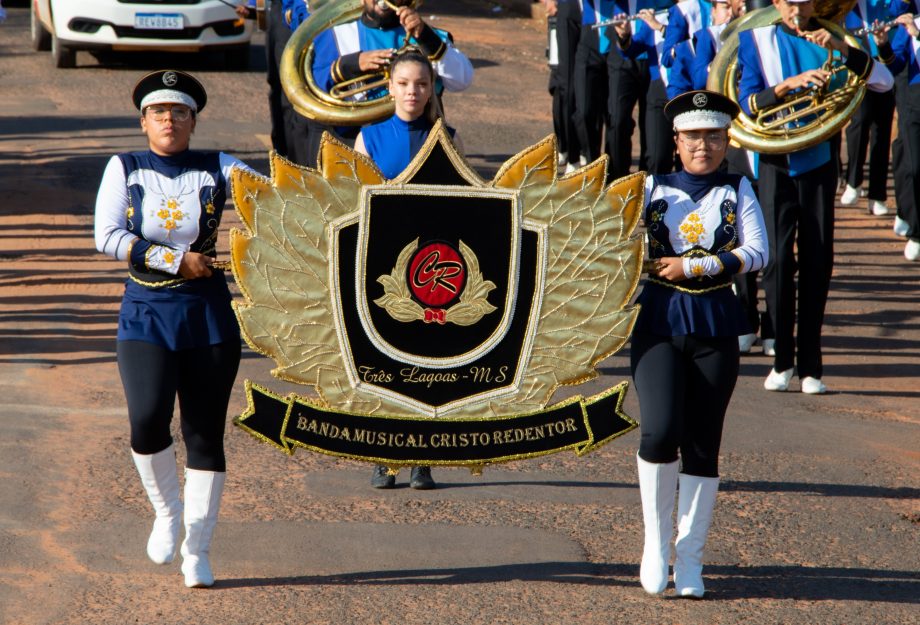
x: 237, y: 59
x: 41, y: 38
x: 64, y: 57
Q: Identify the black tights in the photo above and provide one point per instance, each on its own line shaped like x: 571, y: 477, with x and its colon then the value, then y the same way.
x: 202, y: 378
x: 684, y: 385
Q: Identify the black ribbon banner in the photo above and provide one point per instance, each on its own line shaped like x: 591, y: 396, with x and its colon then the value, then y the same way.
x: 579, y: 424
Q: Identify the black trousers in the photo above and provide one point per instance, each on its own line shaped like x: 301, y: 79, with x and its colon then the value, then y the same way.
x: 799, y: 217
x: 568, y: 31
x: 293, y: 135
x: 684, y: 384
x: 905, y: 155
x: 870, y: 129
x: 629, y: 82
x: 591, y: 86
x: 202, y: 378
x: 659, y: 133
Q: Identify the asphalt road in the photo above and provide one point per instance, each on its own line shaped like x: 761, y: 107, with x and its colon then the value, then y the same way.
x: 818, y: 520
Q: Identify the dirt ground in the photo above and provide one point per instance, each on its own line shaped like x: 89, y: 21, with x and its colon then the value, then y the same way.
x: 818, y: 518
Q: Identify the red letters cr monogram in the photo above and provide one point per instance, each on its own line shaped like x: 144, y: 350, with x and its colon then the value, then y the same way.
x: 436, y: 275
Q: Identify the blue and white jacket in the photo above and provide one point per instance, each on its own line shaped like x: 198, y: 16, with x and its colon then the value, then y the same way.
x: 770, y: 54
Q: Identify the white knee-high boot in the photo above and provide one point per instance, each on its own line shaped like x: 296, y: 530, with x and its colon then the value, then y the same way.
x: 695, y: 502
x: 161, y: 481
x: 657, y: 485
x: 203, y: 490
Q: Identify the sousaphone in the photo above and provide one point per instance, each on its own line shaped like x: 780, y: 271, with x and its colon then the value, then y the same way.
x: 300, y: 86
x: 803, y: 119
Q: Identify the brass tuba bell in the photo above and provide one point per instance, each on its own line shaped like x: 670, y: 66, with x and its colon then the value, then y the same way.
x: 821, y: 113
x: 338, y: 108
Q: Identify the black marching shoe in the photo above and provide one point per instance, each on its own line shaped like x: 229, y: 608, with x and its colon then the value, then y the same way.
x: 381, y: 478
x: 420, y: 478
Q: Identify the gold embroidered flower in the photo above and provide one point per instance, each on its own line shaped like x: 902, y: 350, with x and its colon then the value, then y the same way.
x: 209, y: 207
x: 656, y: 216
x: 178, y: 215
x: 169, y: 224
x: 730, y: 218
x: 172, y: 203
x: 130, y: 212
x: 169, y: 258
x: 697, y: 270
x: 692, y: 228
x: 163, y: 213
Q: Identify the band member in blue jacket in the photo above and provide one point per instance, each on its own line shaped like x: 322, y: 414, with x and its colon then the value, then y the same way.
x: 159, y: 210
x: 709, y: 38
x: 703, y: 226
x: 567, y: 14
x: 685, y: 19
x: 641, y: 39
x: 629, y: 72
x: 369, y: 44
x: 392, y: 144
x: 797, y: 190
x: 591, y: 78
x: 905, y: 46
x: 870, y: 127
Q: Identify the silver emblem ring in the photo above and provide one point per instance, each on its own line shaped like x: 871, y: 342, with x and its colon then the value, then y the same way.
x: 170, y: 79
x: 699, y: 100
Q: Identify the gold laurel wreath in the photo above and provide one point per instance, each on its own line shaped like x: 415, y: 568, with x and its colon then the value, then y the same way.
x: 591, y: 267
x: 397, y: 300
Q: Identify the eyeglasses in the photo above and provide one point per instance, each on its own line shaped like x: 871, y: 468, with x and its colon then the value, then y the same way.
x: 693, y: 142
x: 179, y: 113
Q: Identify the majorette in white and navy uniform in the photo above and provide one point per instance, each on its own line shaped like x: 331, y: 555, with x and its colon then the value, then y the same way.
x: 905, y: 62
x: 151, y: 210
x: 684, y: 351
x: 158, y: 211
x: 797, y: 196
x: 870, y: 127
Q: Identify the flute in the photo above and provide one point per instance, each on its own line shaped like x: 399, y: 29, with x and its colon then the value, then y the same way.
x: 873, y: 28
x: 622, y: 19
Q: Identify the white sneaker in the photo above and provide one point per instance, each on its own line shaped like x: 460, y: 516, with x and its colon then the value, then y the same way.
x: 569, y: 168
x: 813, y: 386
x: 912, y: 250
x: 562, y: 158
x: 746, y: 342
x: 901, y: 227
x: 849, y: 196
x: 863, y: 192
x: 877, y: 208
x: 778, y: 380
x: 769, y: 347
x: 582, y: 160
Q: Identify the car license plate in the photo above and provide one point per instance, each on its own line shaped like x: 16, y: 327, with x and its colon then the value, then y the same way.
x: 158, y: 21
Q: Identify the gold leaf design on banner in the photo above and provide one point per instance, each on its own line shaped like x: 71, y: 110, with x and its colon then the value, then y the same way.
x: 593, y: 267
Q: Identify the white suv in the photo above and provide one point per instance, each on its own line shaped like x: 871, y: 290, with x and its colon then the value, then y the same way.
x: 65, y: 26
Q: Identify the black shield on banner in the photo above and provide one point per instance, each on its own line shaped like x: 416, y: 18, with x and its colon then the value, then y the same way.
x: 437, y: 289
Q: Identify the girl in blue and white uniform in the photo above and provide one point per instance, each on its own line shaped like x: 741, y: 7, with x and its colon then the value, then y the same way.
x: 704, y: 226
x: 392, y: 144
x: 159, y: 211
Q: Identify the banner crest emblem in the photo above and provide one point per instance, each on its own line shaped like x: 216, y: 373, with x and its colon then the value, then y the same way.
x: 436, y: 307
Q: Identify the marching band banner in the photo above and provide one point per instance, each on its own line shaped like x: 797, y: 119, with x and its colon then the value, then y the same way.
x: 434, y: 315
